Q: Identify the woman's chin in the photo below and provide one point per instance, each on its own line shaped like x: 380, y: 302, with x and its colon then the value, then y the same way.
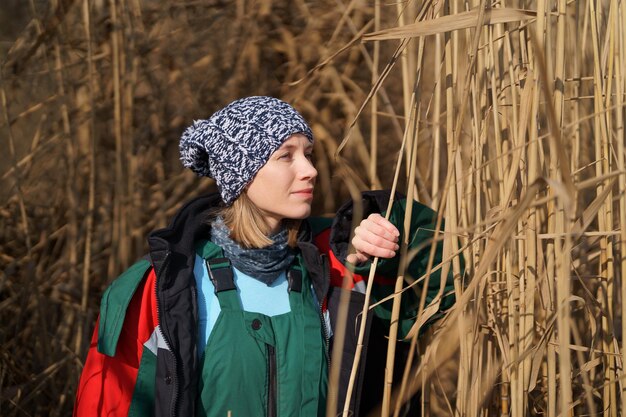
x: 300, y: 213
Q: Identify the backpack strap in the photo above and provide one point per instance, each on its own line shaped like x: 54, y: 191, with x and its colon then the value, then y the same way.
x: 221, y: 274
x: 294, y: 278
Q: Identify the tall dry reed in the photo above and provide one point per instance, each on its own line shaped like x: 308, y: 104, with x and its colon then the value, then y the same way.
x: 531, y: 184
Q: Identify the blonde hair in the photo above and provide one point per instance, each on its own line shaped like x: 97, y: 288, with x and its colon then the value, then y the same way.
x: 249, y: 228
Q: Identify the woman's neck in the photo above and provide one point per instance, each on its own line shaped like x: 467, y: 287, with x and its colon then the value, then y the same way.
x: 273, y: 225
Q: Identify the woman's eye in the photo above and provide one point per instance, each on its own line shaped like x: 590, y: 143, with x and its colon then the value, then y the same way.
x: 286, y: 155
x: 309, y: 156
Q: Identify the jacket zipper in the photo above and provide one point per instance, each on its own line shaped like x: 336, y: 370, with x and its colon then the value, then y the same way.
x: 271, y: 381
x: 326, y: 337
x: 167, y: 343
x: 325, y: 331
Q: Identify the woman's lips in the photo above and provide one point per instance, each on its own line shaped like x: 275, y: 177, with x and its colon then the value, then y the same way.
x: 306, y: 192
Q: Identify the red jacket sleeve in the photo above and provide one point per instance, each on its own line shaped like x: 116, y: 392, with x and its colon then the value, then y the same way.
x: 107, y: 382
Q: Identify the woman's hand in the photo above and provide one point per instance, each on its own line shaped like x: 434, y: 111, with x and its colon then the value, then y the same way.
x: 375, y: 236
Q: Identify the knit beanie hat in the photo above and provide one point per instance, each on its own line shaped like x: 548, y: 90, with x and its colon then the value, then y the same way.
x: 234, y: 144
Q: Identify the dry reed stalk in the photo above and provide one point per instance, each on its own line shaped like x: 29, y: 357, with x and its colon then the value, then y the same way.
x: 71, y: 169
x: 70, y: 183
x: 567, y: 200
x: 453, y: 139
x: 563, y: 286
x: 527, y: 250
x: 412, y: 123
x: 16, y: 171
x: 451, y: 41
x: 619, y: 130
x: 534, y: 220
x: 119, y: 194
x: 374, y: 109
x: 132, y: 14
x: 604, y: 214
x: 403, y: 394
x: 405, y: 389
x: 412, y: 194
x: 451, y: 23
x: 406, y: 85
x: 605, y: 293
x: 607, y: 320
x: 82, y: 334
x: 368, y: 290
x: 436, y: 120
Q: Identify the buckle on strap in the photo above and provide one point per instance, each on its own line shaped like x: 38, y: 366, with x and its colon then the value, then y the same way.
x: 294, y: 278
x: 221, y: 274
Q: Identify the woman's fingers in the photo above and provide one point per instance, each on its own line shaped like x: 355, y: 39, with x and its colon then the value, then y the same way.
x: 356, y: 258
x: 375, y: 236
x: 374, y: 239
x: 369, y: 249
x: 376, y: 219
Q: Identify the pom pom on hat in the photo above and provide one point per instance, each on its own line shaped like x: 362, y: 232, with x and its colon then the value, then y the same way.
x: 234, y: 144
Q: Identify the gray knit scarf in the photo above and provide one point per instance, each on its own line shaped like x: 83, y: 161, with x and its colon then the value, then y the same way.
x: 264, y: 264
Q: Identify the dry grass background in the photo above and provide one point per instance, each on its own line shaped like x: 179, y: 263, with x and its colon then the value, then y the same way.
x: 510, y: 123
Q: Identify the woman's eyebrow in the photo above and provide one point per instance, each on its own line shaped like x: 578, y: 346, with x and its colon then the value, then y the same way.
x: 289, y: 146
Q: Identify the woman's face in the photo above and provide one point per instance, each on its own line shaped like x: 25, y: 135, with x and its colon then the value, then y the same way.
x: 283, y: 188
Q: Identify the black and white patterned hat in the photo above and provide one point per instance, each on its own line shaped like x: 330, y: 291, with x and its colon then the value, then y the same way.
x: 234, y: 144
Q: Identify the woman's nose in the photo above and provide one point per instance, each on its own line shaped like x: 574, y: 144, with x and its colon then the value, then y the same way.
x: 307, y: 169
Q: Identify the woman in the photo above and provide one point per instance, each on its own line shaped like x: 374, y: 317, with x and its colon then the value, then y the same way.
x: 233, y: 311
